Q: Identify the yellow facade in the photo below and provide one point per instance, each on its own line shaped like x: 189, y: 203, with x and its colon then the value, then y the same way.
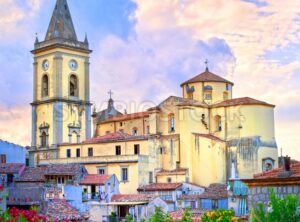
x: 206, y: 131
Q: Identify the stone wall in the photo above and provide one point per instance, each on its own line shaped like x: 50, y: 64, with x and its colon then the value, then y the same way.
x: 261, y: 193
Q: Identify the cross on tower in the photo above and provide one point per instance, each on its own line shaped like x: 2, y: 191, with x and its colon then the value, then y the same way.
x: 110, y: 93
x: 206, y: 64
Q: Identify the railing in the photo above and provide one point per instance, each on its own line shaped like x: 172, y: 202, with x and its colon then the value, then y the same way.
x: 68, y: 42
x: 98, y: 159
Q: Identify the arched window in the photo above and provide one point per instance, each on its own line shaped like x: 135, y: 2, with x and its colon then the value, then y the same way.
x: 207, y: 92
x: 171, y: 122
x: 73, y: 86
x: 134, y: 131
x: 44, y: 142
x: 45, y: 86
x: 218, y: 123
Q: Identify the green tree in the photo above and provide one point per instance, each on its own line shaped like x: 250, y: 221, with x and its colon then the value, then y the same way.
x: 159, y: 216
x: 187, y: 215
x: 279, y: 210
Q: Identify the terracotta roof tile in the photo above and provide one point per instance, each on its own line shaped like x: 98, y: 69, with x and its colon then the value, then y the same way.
x: 131, y: 197
x: 241, y: 101
x: 63, y: 169
x: 209, y: 136
x: 127, y: 117
x: 215, y: 191
x: 159, y: 186
x: 33, y: 174
x: 60, y: 210
x: 95, y: 179
x: 275, y: 173
x: 206, y: 77
x: 113, y: 137
x: 11, y: 168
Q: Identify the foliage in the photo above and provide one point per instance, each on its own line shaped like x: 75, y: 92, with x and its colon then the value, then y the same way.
x: 19, y: 215
x: 279, y: 209
x: 160, y: 216
x: 129, y: 218
x: 219, y: 216
x: 187, y: 215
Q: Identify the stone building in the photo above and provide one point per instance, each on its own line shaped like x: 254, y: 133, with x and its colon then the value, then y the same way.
x: 284, y: 180
x: 196, y: 137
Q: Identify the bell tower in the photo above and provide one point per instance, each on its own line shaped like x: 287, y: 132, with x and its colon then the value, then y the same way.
x: 61, y: 108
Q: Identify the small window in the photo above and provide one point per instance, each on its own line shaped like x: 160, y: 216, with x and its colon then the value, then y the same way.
x: 169, y: 180
x: 136, y: 149
x: 124, y: 174
x: 214, y: 204
x: 227, y: 87
x: 102, y: 170
x: 45, y: 86
x: 3, y: 158
x: 107, y: 132
x: 73, y: 86
x: 118, y: 150
x: 77, y: 152
x: 121, y: 124
x: 44, y: 140
x: 171, y: 122
x: 68, y: 153
x: 135, y: 131
x: 161, y: 150
x: 218, y: 123
x: 90, y: 151
x: 150, y: 177
x: 208, y: 96
x: 61, y: 180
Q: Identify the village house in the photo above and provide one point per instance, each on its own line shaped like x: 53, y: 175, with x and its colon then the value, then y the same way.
x: 171, y: 192
x: 284, y: 180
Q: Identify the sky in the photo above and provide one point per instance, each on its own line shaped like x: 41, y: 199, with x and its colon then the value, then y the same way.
x: 144, y: 49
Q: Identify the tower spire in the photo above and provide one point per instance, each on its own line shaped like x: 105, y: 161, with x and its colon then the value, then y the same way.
x: 61, y: 24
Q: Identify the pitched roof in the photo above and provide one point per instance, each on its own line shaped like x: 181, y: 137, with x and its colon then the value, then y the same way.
x: 11, y: 168
x: 241, y: 101
x: 124, y: 117
x: 173, y: 172
x: 115, y: 137
x: 95, y: 179
x: 159, y: 186
x: 33, y: 174
x: 61, y: 24
x: 131, y: 197
x: 209, y: 136
x: 206, y: 77
x: 279, y: 172
x: 60, y: 210
x: 214, y: 191
x: 63, y: 169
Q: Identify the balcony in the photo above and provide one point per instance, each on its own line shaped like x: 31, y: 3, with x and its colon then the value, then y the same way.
x: 98, y: 159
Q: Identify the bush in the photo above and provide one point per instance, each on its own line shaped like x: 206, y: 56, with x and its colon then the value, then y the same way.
x: 160, y: 216
x: 187, y: 215
x: 279, y: 210
x: 219, y: 215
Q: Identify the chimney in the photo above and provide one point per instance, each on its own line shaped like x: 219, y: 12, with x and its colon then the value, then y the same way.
x: 287, y: 163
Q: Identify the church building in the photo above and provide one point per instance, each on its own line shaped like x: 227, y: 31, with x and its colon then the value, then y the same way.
x: 203, y: 136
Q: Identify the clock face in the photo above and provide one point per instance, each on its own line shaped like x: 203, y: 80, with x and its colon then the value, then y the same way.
x: 45, y: 65
x: 73, y: 65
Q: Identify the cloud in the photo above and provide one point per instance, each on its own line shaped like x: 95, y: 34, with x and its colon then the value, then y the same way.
x: 16, y: 17
x: 15, y: 124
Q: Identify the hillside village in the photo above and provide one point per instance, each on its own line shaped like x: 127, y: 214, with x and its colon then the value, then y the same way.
x: 204, y: 149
